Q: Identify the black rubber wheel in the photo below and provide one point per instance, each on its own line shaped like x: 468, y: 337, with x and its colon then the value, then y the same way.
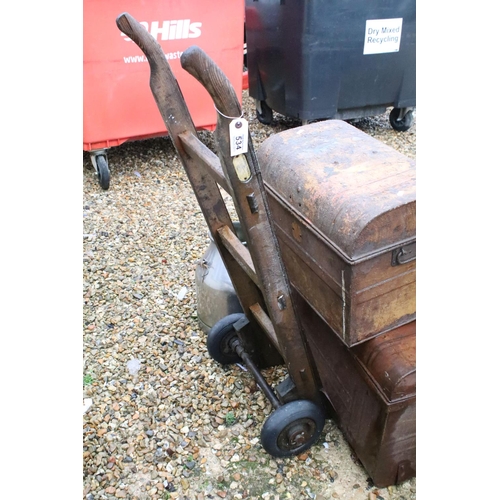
x: 218, y: 339
x: 265, y: 113
x: 292, y: 428
x: 102, y: 171
x: 400, y: 125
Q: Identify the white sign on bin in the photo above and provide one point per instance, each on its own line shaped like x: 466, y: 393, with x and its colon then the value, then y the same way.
x: 382, y: 35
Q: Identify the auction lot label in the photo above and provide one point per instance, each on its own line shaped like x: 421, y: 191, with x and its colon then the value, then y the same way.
x: 382, y: 35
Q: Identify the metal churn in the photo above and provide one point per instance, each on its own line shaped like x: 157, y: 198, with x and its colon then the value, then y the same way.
x: 215, y: 294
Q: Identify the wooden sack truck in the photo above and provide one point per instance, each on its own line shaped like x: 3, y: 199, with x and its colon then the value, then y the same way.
x: 269, y: 329
x: 289, y: 320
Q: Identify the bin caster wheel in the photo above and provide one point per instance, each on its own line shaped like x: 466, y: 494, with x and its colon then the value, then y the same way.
x: 292, y: 428
x: 219, y: 338
x: 102, y: 171
x: 399, y: 121
x: 264, y: 112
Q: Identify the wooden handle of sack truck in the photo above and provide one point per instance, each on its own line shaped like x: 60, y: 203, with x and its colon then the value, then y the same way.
x: 194, y: 60
x: 198, y: 64
x: 136, y: 32
x: 162, y: 82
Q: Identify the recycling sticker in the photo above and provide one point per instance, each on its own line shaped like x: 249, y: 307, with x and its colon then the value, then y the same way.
x: 382, y: 35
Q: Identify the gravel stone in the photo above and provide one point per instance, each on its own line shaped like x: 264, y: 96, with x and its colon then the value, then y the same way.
x: 157, y: 422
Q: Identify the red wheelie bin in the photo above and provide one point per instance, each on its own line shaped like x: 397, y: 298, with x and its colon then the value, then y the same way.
x: 117, y: 103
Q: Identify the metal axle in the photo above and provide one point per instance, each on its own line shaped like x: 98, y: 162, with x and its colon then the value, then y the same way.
x: 261, y: 381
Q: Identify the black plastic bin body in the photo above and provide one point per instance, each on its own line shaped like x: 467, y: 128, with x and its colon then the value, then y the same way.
x: 308, y: 58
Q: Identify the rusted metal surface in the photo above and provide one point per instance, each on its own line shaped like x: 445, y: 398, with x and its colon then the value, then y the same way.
x: 358, y: 192
x: 344, y: 209
x: 391, y: 360
x: 372, y: 391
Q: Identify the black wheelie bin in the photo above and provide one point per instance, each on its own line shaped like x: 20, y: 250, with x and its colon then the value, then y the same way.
x: 343, y: 59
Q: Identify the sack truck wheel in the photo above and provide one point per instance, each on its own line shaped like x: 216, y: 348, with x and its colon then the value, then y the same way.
x: 292, y: 428
x: 219, y: 338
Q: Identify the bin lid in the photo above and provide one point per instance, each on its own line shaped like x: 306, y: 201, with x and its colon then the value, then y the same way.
x: 358, y: 192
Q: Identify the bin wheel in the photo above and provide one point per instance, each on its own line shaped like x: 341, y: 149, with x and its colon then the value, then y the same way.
x: 102, y: 171
x: 400, y: 122
x: 219, y: 338
x: 292, y: 428
x: 264, y: 112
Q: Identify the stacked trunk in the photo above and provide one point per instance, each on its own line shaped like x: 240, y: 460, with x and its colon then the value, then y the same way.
x: 343, y: 206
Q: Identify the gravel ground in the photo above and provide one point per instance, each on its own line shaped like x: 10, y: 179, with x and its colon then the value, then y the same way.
x: 165, y: 421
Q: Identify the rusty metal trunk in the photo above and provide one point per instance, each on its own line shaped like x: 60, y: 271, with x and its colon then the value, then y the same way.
x: 371, y: 388
x: 344, y: 207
